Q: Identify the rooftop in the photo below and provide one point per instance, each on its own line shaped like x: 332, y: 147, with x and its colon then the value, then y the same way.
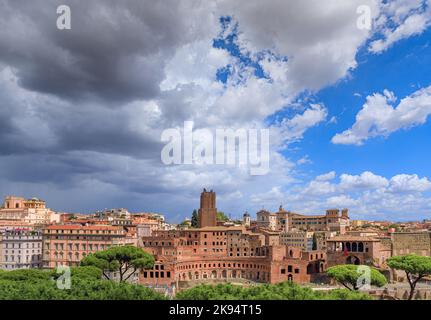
x: 80, y: 227
x: 352, y: 238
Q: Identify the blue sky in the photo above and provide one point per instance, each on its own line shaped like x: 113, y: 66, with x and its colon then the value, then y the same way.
x: 402, y: 69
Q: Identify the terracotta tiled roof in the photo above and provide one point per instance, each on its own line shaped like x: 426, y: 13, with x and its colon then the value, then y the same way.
x: 78, y: 227
x: 218, y: 228
x: 353, y: 238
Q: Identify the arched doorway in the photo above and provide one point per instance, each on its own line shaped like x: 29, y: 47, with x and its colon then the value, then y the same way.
x: 213, y: 274
x: 353, y: 260
x: 290, y: 278
x: 224, y: 274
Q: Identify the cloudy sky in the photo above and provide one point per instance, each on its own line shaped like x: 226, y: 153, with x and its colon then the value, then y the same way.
x: 82, y: 110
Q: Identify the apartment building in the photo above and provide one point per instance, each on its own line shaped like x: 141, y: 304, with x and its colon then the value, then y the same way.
x: 68, y: 244
x: 20, y: 249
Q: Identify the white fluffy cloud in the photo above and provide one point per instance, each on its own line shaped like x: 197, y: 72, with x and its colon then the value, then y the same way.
x: 399, y: 20
x: 327, y: 176
x: 409, y: 183
x: 319, y: 38
x: 380, y: 117
x: 366, y: 180
x: 367, y: 195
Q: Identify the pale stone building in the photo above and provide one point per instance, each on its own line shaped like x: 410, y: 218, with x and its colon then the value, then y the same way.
x: 32, y: 211
x: 297, y: 239
x: 266, y: 219
x: 20, y: 249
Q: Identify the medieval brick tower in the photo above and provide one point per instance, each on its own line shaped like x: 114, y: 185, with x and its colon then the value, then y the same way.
x: 207, y: 215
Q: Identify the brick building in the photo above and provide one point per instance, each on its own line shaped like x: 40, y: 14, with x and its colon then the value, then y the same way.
x: 286, y: 221
x: 223, y: 253
x: 331, y: 221
x: 358, y: 250
x: 207, y: 214
x: 228, y: 254
x: 68, y: 244
x: 411, y: 243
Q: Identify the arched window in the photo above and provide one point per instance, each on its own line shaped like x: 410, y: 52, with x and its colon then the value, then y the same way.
x: 361, y: 247
x: 354, y: 247
x: 348, y: 246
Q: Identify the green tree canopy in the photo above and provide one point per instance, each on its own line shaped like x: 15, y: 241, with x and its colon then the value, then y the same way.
x: 123, y: 259
x: 350, y: 276
x: 222, y: 217
x: 415, y: 267
x: 194, y: 220
x: 280, y: 291
x: 86, y: 284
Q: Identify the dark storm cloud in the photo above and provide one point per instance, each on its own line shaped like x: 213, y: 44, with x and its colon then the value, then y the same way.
x: 115, y: 51
x: 94, y: 128
x: 39, y: 168
x: 65, y: 116
x: 30, y: 124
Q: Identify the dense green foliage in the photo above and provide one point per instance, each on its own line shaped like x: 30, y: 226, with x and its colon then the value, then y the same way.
x: 350, y: 276
x: 86, y: 284
x: 222, y: 217
x: 415, y: 267
x: 194, y: 220
x: 281, y: 291
x: 124, y: 259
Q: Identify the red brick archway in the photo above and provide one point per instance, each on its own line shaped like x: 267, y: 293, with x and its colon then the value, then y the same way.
x: 353, y: 260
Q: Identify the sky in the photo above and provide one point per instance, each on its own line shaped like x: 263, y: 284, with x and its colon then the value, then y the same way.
x: 82, y: 110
